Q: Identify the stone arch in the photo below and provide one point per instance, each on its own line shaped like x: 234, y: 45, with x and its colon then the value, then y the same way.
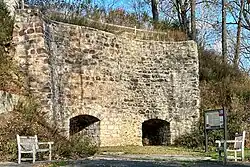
x: 156, y: 132
x: 94, y: 110
x: 85, y: 126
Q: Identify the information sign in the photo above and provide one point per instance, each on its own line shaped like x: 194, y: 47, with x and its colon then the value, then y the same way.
x: 214, y: 119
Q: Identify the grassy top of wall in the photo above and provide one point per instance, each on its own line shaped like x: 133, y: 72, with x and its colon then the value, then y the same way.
x: 169, y: 35
x: 129, y: 32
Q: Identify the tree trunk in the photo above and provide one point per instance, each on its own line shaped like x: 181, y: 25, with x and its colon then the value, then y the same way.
x: 181, y: 8
x: 184, y: 20
x: 224, y: 32
x: 155, y: 13
x: 193, y: 23
x: 237, y: 47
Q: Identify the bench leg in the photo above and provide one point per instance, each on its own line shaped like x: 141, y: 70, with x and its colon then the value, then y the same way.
x: 242, y: 155
x: 219, y: 155
x: 50, y: 152
x: 235, y: 156
x: 34, y: 154
x: 34, y: 157
x: 19, y: 157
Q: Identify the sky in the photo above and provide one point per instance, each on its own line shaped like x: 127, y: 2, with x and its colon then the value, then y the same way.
x: 118, y: 3
x: 124, y: 4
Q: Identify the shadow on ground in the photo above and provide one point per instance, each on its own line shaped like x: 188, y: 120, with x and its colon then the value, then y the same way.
x: 133, y: 163
x: 128, y: 163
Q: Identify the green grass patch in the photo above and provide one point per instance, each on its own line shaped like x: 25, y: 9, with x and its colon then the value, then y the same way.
x: 57, y: 164
x: 166, y: 150
x: 215, y: 155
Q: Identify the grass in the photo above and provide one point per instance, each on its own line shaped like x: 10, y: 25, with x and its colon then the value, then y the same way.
x: 150, y: 150
x: 166, y: 150
x: 167, y: 35
x: 60, y: 163
x: 215, y: 155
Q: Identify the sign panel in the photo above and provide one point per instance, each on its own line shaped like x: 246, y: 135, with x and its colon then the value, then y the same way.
x: 214, y: 119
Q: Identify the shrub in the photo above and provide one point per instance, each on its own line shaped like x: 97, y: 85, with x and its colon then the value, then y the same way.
x: 220, y: 85
x: 196, y: 138
x: 10, y: 77
x: 76, y: 147
x: 6, y: 25
x: 213, y: 69
x: 27, y: 119
x: 193, y: 140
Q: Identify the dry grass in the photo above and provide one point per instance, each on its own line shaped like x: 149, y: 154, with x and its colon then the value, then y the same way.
x: 28, y: 120
x: 141, y: 34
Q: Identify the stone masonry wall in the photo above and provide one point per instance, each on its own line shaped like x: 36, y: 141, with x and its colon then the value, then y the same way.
x: 76, y: 70
x: 92, y: 132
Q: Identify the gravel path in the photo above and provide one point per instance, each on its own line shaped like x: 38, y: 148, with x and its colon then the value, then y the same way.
x: 144, y: 163
x: 139, y: 161
x: 152, y: 161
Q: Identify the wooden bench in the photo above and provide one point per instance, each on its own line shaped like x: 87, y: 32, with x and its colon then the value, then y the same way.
x: 30, y: 145
x: 238, y: 146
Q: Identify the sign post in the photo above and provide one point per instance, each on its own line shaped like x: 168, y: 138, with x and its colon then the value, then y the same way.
x: 225, y: 136
x: 214, y: 120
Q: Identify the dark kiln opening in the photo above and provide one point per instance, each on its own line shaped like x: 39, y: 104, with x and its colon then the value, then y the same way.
x: 155, y: 132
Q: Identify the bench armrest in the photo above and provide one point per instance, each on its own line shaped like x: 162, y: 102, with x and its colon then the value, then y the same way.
x: 43, y: 143
x: 228, y: 141
x: 234, y: 141
x: 219, y: 142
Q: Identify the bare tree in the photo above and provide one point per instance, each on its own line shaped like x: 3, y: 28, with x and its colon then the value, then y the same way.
x: 193, y: 22
x: 181, y: 7
x: 237, y: 47
x: 224, y: 32
x: 139, y: 8
x: 154, y: 5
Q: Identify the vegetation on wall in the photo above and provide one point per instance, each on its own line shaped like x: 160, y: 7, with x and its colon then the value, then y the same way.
x: 170, y: 34
x: 10, y: 77
x: 115, y: 20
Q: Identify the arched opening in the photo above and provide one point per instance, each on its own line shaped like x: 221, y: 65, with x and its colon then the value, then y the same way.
x: 155, y: 132
x: 86, y: 126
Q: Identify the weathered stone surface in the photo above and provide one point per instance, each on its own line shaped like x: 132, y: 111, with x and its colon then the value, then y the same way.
x: 122, y: 82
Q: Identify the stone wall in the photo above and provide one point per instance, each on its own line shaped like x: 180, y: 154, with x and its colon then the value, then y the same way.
x: 76, y: 70
x: 91, y: 133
